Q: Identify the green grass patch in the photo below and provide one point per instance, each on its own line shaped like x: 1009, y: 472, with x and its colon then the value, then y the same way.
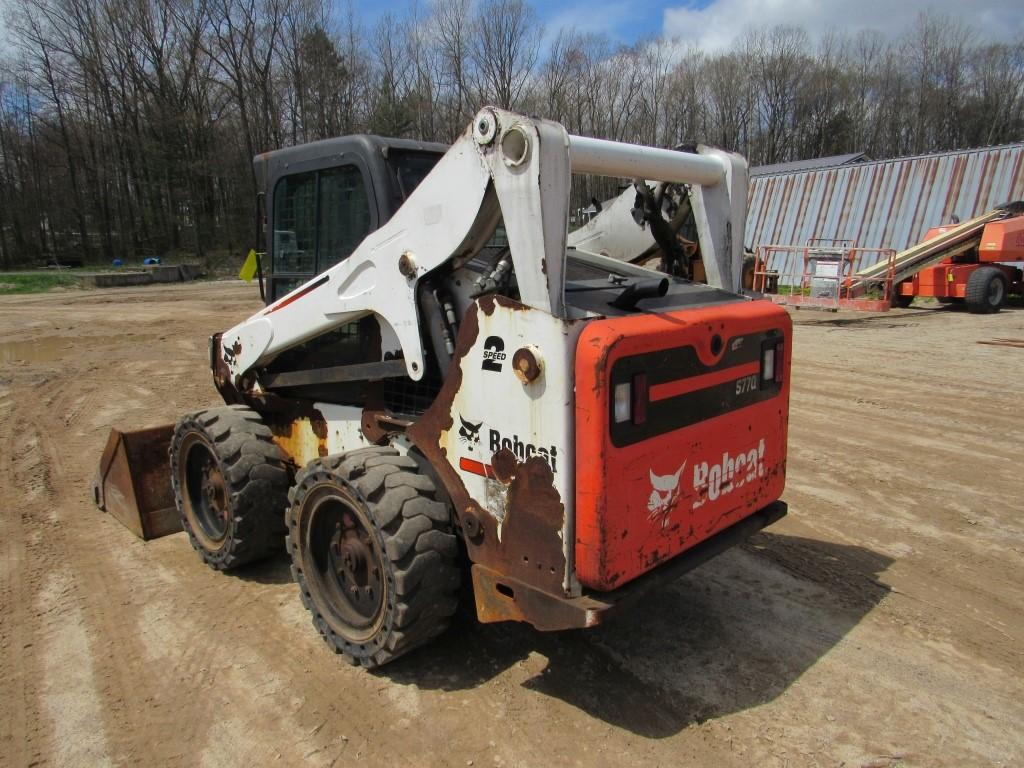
x: 35, y: 282
x: 794, y: 290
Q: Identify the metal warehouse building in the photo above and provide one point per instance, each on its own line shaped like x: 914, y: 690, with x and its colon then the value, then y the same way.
x: 878, y: 204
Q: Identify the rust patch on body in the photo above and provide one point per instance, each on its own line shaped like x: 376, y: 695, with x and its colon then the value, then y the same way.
x: 301, y: 439
x: 222, y: 374
x: 426, y: 432
x: 378, y: 425
x: 530, y: 544
x: 318, y: 424
x: 504, y: 465
x: 371, y: 428
x: 492, y: 300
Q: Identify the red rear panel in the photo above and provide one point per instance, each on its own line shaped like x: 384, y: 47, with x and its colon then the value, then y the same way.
x: 703, y: 444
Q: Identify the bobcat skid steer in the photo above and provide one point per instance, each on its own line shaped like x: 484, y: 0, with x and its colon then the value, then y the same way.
x: 460, y: 393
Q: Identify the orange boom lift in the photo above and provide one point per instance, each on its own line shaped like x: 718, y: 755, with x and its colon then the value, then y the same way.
x: 975, y: 275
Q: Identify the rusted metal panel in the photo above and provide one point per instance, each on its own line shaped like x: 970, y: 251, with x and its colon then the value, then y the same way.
x: 501, y: 598
x: 302, y: 439
x: 499, y: 465
x: 882, y: 204
x: 133, y: 482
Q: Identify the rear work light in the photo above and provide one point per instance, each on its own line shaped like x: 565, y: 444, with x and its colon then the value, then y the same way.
x: 768, y: 364
x: 772, y: 362
x: 623, y: 402
x: 630, y: 400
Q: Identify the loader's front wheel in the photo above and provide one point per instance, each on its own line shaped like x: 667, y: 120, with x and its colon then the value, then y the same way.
x: 373, y: 553
x: 230, y: 485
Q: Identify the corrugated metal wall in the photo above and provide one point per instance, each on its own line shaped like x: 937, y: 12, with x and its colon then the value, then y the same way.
x: 882, y: 204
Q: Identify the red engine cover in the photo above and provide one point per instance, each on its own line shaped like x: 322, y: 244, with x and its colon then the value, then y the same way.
x: 705, y: 444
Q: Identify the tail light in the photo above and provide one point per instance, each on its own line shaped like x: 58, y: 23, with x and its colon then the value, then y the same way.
x: 640, y: 397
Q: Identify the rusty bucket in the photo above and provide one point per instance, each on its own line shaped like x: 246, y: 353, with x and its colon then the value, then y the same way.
x: 133, y: 483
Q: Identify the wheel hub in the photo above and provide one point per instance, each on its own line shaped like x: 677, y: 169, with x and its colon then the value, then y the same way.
x: 347, y: 563
x: 995, y: 292
x: 205, y: 492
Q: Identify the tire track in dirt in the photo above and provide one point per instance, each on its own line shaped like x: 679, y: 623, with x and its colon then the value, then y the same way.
x: 68, y: 689
x: 15, y: 643
x: 60, y: 708
x: 97, y: 598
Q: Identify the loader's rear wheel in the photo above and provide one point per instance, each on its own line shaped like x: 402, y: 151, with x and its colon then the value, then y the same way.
x: 230, y: 484
x: 985, y: 291
x: 373, y: 553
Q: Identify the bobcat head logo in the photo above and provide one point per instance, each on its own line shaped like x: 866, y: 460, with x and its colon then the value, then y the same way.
x: 664, y: 495
x: 469, y: 432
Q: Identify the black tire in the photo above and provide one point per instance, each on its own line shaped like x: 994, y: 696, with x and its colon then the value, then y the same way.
x: 230, y: 485
x: 901, y: 301
x: 373, y: 553
x: 986, y: 290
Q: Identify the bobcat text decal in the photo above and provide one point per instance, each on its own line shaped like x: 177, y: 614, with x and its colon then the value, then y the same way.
x: 523, y: 451
x: 469, y: 436
x: 711, y: 481
x: 730, y: 473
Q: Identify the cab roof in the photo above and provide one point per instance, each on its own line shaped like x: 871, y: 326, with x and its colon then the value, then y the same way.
x: 361, y: 143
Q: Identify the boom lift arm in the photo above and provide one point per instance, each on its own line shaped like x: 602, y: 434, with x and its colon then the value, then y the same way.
x: 504, y: 166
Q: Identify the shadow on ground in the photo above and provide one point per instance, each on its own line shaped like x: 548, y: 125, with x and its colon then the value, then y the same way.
x: 901, y: 318
x: 731, y: 635
x: 274, y: 570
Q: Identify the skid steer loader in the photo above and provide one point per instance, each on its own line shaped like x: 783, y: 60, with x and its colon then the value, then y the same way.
x: 439, y: 386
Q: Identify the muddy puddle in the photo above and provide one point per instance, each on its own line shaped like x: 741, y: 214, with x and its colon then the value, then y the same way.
x: 42, y: 350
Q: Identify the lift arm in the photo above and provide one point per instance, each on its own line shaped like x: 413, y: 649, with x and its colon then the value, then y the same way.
x: 505, y: 166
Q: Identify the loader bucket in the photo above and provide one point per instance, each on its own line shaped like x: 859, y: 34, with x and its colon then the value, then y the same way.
x: 134, y: 482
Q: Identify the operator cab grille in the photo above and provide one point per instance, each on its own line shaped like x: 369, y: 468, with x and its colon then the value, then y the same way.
x: 405, y: 397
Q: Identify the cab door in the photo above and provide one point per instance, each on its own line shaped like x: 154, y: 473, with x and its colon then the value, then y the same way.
x: 318, y: 217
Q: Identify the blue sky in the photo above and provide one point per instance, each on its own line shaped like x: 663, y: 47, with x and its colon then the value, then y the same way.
x: 623, y: 21
x: 713, y: 24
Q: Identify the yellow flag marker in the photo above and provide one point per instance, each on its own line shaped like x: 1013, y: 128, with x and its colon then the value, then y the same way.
x: 248, y: 270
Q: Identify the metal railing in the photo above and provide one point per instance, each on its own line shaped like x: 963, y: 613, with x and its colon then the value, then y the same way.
x: 824, y: 274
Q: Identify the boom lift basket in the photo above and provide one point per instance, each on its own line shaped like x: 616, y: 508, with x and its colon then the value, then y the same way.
x: 824, y: 274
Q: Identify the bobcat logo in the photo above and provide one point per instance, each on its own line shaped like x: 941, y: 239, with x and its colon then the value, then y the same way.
x: 469, y: 433
x: 664, y: 495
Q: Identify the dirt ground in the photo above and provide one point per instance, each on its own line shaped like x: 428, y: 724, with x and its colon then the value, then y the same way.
x: 879, y: 624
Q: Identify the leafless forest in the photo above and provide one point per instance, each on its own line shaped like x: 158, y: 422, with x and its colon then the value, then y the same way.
x: 127, y: 127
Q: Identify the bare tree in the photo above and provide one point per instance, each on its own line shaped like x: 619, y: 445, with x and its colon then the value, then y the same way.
x: 128, y: 127
x: 506, y: 42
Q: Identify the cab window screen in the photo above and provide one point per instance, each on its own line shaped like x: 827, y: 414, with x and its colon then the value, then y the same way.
x: 411, y: 168
x: 344, y: 214
x: 285, y: 285
x: 295, y: 224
